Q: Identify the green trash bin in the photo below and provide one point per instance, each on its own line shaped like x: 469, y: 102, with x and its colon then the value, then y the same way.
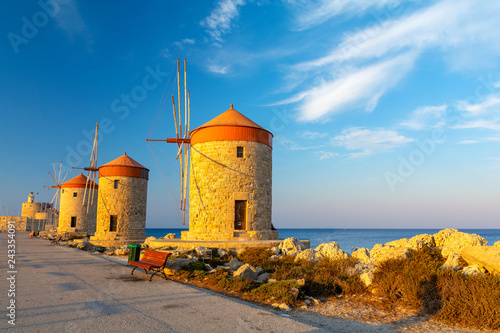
x: 134, y: 252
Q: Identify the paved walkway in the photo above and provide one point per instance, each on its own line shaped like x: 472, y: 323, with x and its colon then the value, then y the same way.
x: 59, y: 289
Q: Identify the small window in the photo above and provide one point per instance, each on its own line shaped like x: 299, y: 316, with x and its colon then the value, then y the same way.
x: 75, y: 194
x: 116, y: 184
x: 239, y: 152
x: 73, y: 221
x: 113, y: 222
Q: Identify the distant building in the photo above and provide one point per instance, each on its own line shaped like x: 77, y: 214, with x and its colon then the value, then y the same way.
x: 34, y: 216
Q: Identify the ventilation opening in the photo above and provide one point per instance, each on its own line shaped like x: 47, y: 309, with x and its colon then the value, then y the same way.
x: 113, y: 222
x: 240, y: 151
x: 73, y: 221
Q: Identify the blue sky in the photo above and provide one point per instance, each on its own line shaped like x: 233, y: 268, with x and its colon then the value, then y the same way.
x: 386, y: 114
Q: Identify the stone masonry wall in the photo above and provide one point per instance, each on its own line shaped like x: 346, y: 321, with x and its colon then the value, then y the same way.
x: 128, y: 202
x: 72, y: 206
x: 30, y: 209
x: 214, y: 187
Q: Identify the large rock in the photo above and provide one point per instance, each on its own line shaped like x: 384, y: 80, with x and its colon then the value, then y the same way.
x: 174, y: 265
x: 486, y: 256
x: 263, y: 277
x: 453, y: 241
x: 473, y: 270
x: 291, y: 246
x: 497, y: 244
x: 309, y: 255
x: 362, y: 254
x: 234, y: 264
x: 453, y: 262
x: 415, y: 243
x: 332, y: 251
x: 380, y: 253
x: 247, y: 271
x: 169, y: 236
x: 148, y: 240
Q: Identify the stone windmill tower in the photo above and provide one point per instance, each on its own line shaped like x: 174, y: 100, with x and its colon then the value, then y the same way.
x: 74, y: 217
x: 121, y: 208
x: 230, y: 189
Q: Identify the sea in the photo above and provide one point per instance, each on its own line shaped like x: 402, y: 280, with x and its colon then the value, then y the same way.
x: 349, y: 239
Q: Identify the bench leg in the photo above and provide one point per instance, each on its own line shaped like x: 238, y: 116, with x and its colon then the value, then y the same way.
x: 133, y: 271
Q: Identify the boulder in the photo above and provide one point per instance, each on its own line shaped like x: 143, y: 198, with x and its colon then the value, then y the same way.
x: 309, y: 255
x: 263, y: 277
x: 415, y: 243
x: 174, y: 265
x: 170, y: 236
x: 486, y: 256
x: 276, y: 250
x: 331, y: 250
x: 473, y: 270
x: 453, y: 262
x: 247, y: 272
x: 362, y: 254
x: 222, y: 252
x: 453, y: 241
x: 291, y: 246
x: 273, y: 257
x: 367, y: 278
x: 234, y: 264
x: 497, y: 244
x: 380, y: 253
x: 148, y: 240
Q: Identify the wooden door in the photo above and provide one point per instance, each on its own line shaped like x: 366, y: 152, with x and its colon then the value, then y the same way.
x: 240, y: 215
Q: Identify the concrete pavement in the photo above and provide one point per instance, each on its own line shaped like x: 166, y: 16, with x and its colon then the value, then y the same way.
x: 59, y: 289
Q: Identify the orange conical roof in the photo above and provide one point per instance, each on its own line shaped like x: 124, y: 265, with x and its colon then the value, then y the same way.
x: 124, y: 160
x: 231, y: 126
x: 123, y: 166
x: 78, y: 182
x: 230, y: 118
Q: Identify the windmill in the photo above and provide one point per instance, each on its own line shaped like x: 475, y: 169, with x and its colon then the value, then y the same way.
x: 57, y: 180
x: 90, y: 186
x: 183, y: 140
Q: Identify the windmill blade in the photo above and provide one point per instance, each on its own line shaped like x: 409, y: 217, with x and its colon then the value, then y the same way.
x: 60, y: 170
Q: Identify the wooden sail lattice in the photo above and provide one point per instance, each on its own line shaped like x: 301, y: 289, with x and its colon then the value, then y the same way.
x: 183, y: 138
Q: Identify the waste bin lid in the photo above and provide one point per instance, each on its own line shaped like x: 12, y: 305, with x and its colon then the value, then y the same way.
x: 134, y: 245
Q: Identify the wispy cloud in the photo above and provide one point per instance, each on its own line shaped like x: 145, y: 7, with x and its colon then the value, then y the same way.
x: 491, y: 124
x: 218, y: 69
x: 480, y: 140
x: 71, y: 22
x: 369, y: 141
x: 288, y: 144
x: 361, y: 88
x: 336, y: 82
x: 311, y: 13
x: 186, y: 41
x: 491, y: 103
x: 312, y: 135
x: 219, y: 22
x: 426, y: 116
x: 325, y: 155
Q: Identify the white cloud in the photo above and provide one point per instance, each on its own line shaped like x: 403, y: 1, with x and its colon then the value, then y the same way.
x: 481, y: 140
x: 426, y: 116
x: 369, y: 141
x: 491, y: 124
x: 312, y: 135
x: 311, y: 13
x: 497, y: 84
x: 446, y: 24
x: 359, y: 88
x: 219, y: 22
x: 491, y: 103
x: 325, y: 155
x: 292, y: 145
x: 218, y: 69
x: 71, y: 22
x: 186, y: 41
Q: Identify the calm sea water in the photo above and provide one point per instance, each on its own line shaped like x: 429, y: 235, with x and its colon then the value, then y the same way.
x: 350, y: 238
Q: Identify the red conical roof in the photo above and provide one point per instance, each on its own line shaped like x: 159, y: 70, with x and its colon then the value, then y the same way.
x: 79, y: 181
x: 230, y: 118
x: 123, y: 166
x: 231, y: 126
x: 124, y: 160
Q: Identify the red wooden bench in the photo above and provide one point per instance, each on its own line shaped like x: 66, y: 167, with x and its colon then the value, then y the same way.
x: 153, y: 261
x: 56, y: 241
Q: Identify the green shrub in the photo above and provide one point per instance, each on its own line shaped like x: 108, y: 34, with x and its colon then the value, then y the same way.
x: 278, y: 291
x: 469, y: 301
x: 258, y: 257
x: 194, y: 266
